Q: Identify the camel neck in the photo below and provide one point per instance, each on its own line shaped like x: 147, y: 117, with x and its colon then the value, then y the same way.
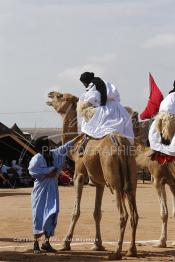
x: 70, y: 128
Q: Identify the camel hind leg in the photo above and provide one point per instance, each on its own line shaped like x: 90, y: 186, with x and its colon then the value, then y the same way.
x: 97, y: 217
x: 160, y: 188
x: 117, y: 255
x: 131, y: 197
x: 132, y: 252
x: 172, y: 188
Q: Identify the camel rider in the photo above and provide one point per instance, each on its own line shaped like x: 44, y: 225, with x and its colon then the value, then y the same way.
x: 162, y: 131
x: 100, y: 109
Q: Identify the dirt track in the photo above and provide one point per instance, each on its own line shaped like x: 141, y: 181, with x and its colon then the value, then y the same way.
x: 16, y: 233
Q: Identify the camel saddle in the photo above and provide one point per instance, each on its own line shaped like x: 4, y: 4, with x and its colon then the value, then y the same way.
x: 83, y: 145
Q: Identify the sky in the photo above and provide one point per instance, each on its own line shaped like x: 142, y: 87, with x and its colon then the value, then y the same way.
x: 46, y: 44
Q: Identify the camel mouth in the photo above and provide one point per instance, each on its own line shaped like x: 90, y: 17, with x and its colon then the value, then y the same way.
x: 48, y: 103
x: 50, y: 99
x: 50, y: 95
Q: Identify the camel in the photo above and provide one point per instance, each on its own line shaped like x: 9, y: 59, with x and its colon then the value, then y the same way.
x: 106, y: 163
x: 162, y: 175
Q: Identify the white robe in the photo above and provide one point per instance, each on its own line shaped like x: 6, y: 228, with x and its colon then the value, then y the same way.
x: 155, y: 142
x: 112, y: 117
x: 45, y: 197
x: 167, y: 105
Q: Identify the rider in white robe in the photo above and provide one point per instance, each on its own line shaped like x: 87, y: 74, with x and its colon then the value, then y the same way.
x: 111, y: 117
x: 167, y: 105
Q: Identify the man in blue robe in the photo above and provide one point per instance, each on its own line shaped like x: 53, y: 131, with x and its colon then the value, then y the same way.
x: 44, y: 167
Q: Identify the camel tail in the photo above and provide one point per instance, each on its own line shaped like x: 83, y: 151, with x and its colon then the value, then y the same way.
x: 124, y: 162
x: 171, y: 167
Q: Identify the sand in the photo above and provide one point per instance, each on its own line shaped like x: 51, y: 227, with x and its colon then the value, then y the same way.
x: 16, y: 229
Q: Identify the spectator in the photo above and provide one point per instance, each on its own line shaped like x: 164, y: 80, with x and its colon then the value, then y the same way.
x: 7, y: 174
x: 16, y: 167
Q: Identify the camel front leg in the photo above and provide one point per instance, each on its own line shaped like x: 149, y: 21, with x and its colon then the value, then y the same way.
x: 163, y: 213
x: 79, y: 182
x: 97, y: 217
x: 117, y: 255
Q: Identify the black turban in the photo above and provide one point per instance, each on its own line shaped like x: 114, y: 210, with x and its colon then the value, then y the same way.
x: 42, y: 143
x: 87, y: 77
x: 42, y: 146
x: 101, y: 87
x: 173, y: 90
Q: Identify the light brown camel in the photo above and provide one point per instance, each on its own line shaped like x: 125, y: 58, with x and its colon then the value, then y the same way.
x: 162, y: 175
x: 106, y: 162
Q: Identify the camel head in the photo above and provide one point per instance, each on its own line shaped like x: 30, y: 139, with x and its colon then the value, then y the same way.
x: 61, y: 102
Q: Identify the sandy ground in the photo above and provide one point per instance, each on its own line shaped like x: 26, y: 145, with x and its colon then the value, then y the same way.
x: 16, y: 232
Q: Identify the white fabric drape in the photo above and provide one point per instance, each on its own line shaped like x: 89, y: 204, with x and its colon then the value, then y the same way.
x: 112, y: 117
x: 167, y: 105
x: 155, y: 142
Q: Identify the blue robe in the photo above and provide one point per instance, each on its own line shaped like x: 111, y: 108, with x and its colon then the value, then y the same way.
x: 45, y: 197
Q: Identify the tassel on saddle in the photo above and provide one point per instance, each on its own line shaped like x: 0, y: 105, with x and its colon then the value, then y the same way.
x: 83, y: 145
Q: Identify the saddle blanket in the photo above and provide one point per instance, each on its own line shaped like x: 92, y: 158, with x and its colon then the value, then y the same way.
x: 162, y: 158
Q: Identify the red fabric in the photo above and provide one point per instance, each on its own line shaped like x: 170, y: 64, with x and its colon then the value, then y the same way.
x: 68, y: 172
x: 154, y: 101
x: 64, y: 180
x: 162, y: 158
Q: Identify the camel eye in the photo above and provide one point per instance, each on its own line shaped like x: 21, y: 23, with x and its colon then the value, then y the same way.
x: 59, y: 96
x: 67, y: 99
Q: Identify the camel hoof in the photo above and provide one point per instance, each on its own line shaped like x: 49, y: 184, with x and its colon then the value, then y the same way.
x: 115, y: 256
x: 98, y: 248
x: 132, y: 252
x: 160, y: 245
x: 65, y: 247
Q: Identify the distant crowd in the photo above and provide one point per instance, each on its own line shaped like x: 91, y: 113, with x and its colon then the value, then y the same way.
x: 15, y: 174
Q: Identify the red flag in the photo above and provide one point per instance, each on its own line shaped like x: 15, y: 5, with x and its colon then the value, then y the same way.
x: 154, y: 101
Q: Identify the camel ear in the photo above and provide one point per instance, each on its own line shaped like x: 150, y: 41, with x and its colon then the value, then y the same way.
x: 67, y: 97
x: 135, y: 114
x: 75, y: 99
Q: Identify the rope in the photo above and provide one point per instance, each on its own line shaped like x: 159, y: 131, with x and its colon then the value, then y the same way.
x: 29, y: 112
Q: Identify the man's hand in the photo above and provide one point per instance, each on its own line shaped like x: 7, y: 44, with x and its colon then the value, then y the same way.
x: 52, y: 174
x: 149, y: 153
